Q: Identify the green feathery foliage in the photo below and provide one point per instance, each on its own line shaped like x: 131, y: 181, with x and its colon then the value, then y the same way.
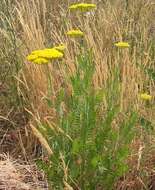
x: 93, y: 144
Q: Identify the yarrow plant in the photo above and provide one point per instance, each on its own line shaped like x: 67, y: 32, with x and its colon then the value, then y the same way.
x: 86, y: 140
x: 122, y: 44
x: 44, y: 56
x: 145, y: 96
x: 83, y: 7
x: 75, y: 33
x: 86, y: 144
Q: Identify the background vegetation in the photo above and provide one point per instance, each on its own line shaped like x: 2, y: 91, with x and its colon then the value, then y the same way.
x: 85, y: 110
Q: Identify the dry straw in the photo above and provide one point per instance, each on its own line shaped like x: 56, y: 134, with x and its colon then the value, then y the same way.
x: 42, y: 140
x: 20, y: 176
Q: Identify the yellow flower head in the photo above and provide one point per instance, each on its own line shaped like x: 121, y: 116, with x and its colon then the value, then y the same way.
x: 75, y: 33
x: 60, y: 48
x: 40, y: 61
x: 44, y: 55
x: 122, y: 45
x: 145, y: 96
x: 84, y: 7
x: 48, y: 53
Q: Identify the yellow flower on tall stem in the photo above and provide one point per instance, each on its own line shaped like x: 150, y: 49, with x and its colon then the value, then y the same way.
x: 122, y: 44
x: 83, y: 7
x: 145, y: 96
x: 75, y: 33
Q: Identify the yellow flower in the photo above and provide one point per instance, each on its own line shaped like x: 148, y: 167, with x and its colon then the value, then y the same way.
x: 40, y: 61
x: 44, y: 55
x: 60, y: 48
x: 51, y: 54
x: 145, y: 96
x: 84, y: 7
x: 122, y: 45
x: 32, y: 57
x: 75, y: 33
x: 48, y: 53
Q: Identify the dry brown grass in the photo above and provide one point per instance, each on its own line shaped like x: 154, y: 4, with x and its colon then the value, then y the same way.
x: 39, y: 25
x: 43, y: 23
x: 14, y: 175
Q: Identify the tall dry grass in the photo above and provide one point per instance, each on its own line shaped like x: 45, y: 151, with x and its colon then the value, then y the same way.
x: 37, y: 24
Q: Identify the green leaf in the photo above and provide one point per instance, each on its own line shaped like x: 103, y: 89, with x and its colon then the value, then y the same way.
x: 151, y: 73
x: 76, y: 146
x: 146, y: 124
x: 95, y: 160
